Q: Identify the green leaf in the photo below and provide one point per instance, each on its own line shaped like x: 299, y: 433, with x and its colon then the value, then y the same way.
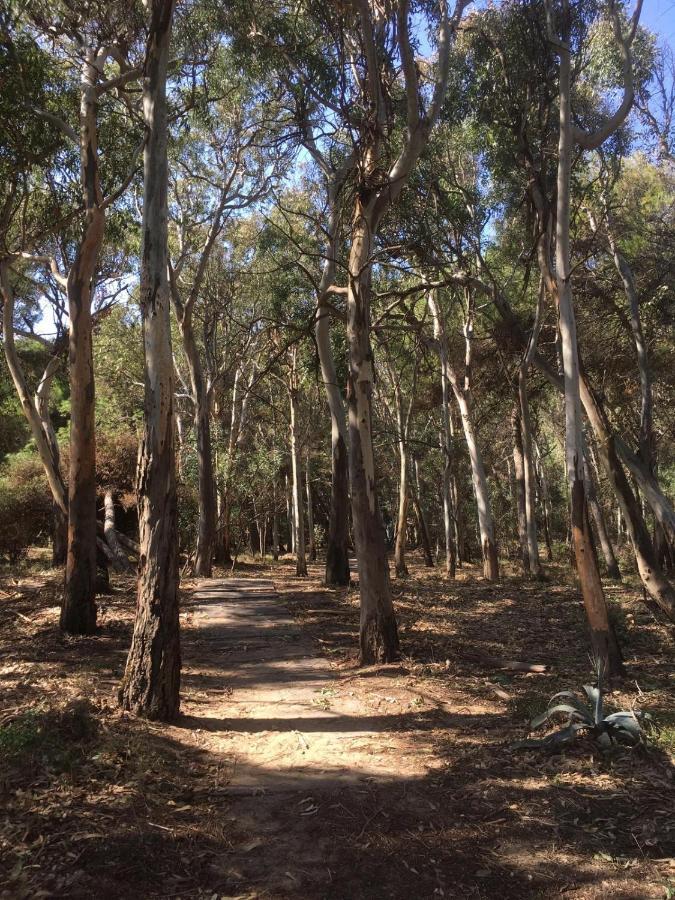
x: 573, y: 712
x: 594, y: 694
x: 624, y: 727
x: 572, y: 698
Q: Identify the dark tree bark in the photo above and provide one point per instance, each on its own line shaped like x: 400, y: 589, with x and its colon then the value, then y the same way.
x: 519, y: 482
x: 337, y: 550
x: 59, y: 536
x: 78, y: 612
x: 421, y: 521
x: 151, y: 683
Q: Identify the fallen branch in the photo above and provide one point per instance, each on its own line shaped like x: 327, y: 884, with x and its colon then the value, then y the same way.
x: 119, y: 558
x: 131, y: 545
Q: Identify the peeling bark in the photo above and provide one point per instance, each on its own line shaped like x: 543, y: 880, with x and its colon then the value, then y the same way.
x: 151, y: 682
x: 378, y: 631
x: 602, y: 637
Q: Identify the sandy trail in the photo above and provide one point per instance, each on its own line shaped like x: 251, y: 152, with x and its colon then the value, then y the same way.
x: 283, y: 717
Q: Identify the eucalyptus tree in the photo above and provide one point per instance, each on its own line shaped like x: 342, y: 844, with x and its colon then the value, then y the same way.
x: 335, y: 161
x: 559, y: 27
x: 461, y: 384
x: 655, y: 102
x: 225, y: 163
x: 401, y: 368
x: 510, y: 48
x: 29, y: 148
x: 151, y: 682
x: 93, y: 47
x: 293, y: 380
x: 605, y: 214
x: 445, y: 225
x: 384, y: 57
x: 365, y: 74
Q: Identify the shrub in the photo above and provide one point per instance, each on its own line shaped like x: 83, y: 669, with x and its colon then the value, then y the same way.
x: 116, y: 455
x: 188, y: 517
x: 25, y: 507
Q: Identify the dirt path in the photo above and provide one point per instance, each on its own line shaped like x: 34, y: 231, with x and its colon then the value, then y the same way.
x: 313, y: 759
x: 282, y: 716
x: 384, y: 783
x: 294, y: 775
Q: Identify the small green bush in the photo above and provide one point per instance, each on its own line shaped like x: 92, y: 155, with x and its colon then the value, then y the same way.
x: 25, y: 507
x: 188, y: 517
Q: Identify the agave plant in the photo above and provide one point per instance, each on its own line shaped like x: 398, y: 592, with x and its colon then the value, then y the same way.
x: 586, y: 715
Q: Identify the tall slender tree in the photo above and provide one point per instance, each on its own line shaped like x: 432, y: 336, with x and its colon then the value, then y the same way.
x: 151, y: 683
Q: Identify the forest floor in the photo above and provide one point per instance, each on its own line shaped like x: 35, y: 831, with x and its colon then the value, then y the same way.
x: 292, y: 773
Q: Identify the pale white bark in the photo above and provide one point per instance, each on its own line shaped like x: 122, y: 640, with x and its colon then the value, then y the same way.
x: 298, y: 512
x: 479, y: 478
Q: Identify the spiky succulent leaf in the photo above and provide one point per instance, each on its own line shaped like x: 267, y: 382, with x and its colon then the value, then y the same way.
x: 573, y: 712
x: 594, y: 695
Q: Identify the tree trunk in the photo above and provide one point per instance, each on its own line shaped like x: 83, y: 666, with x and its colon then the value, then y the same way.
x: 545, y: 502
x: 378, y: 631
x: 421, y: 521
x: 275, y: 526
x: 528, y: 470
x: 311, y: 544
x: 653, y: 579
x: 600, y: 526
x: 226, y: 539
x: 151, y: 683
x: 78, y: 612
x: 180, y: 434
x: 207, y: 490
x: 450, y: 524
x: 290, y: 520
x: 45, y: 449
x: 41, y: 403
x: 646, y: 433
x: 337, y: 553
x: 479, y: 479
x: 298, y: 516
x: 37, y: 416
x: 402, y: 519
x: 519, y: 484
x: 59, y: 536
x: 649, y: 487
x: 481, y: 490
x: 206, y: 533
x: 602, y: 637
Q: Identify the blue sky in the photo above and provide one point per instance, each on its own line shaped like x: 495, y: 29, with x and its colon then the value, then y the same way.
x: 659, y: 16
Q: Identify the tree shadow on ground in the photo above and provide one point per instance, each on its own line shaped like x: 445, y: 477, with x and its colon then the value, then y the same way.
x: 142, y: 811
x: 143, y: 814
